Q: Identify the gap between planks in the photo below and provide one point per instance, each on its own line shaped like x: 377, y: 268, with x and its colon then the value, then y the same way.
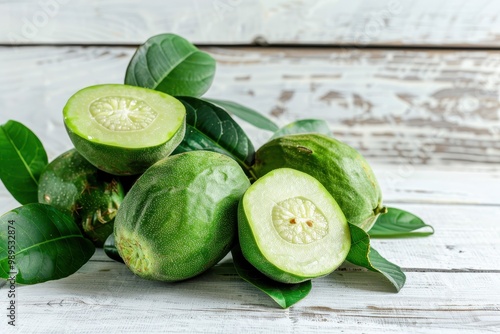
x: 401, y: 22
x: 461, y: 239
x: 440, y: 302
x: 260, y: 47
x: 348, y: 268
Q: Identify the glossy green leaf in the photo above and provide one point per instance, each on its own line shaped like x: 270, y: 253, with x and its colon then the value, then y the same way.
x: 211, y: 128
x: 22, y: 160
x: 110, y: 249
x: 399, y: 223
x: 284, y: 294
x: 171, y: 64
x: 41, y: 244
x: 304, y: 126
x: 245, y: 113
x: 363, y: 255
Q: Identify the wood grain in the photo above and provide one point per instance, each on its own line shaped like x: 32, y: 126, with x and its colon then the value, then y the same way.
x: 398, y: 107
x: 427, y: 121
x: 465, y: 240
x: 436, y: 185
x: 408, y: 141
x: 105, y: 296
x: 404, y: 108
x: 359, y: 22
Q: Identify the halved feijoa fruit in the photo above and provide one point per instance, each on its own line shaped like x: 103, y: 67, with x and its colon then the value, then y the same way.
x: 123, y: 129
x: 340, y: 168
x: 290, y: 228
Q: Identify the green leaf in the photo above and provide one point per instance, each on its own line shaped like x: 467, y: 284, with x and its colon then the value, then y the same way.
x: 304, y: 126
x: 363, y: 255
x: 41, y: 243
x: 211, y: 128
x: 170, y: 64
x: 247, y: 114
x: 22, y: 160
x: 399, y: 223
x: 110, y: 249
x: 284, y: 294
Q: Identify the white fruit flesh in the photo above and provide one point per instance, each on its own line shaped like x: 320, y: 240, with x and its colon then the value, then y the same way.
x: 296, y: 223
x: 119, y: 113
x: 125, y: 116
x: 299, y: 221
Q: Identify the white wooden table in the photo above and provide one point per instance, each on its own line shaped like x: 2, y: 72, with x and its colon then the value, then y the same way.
x: 414, y: 86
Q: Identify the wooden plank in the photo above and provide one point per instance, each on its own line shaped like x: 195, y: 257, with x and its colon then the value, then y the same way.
x: 459, y: 185
x: 465, y: 239
x: 358, y: 22
x: 396, y: 107
x: 425, y: 132
x: 404, y: 108
x: 421, y: 184
x: 105, y: 296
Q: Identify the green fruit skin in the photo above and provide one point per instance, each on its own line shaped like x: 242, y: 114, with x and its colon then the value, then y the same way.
x: 340, y: 168
x: 122, y: 161
x: 180, y: 217
x: 252, y: 254
x: 92, y: 197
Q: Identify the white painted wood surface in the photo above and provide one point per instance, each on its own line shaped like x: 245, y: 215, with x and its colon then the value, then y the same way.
x: 105, y: 297
x: 397, y: 107
x: 416, y: 111
x: 353, y: 22
x: 428, y: 121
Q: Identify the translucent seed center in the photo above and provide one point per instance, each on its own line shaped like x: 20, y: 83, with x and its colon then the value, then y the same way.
x: 118, y: 113
x: 299, y: 221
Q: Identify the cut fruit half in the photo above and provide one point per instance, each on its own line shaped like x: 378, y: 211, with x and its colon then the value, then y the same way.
x: 123, y: 129
x: 291, y: 228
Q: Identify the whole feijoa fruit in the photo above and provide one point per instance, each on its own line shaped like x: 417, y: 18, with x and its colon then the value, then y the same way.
x: 180, y: 217
x: 124, y: 129
x: 290, y: 228
x: 73, y: 185
x: 340, y: 168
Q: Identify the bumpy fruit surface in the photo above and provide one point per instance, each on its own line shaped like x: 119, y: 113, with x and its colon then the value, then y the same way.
x: 180, y: 217
x: 340, y: 168
x: 73, y: 185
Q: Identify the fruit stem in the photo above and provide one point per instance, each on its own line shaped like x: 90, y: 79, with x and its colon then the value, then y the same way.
x: 380, y: 210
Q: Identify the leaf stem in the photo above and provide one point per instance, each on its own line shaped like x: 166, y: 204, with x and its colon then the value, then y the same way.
x: 253, y: 177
